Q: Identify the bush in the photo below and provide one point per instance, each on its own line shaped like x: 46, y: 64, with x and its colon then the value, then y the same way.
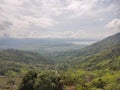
x: 45, y: 81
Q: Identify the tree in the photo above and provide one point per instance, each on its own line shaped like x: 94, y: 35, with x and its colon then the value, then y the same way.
x: 45, y: 81
x: 28, y: 81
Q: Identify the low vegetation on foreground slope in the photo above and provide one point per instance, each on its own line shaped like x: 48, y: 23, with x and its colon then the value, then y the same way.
x: 96, y: 67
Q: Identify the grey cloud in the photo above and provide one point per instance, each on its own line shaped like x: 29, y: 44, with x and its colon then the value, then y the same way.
x: 115, y: 6
x: 41, y: 16
x: 114, y: 25
x: 5, y: 25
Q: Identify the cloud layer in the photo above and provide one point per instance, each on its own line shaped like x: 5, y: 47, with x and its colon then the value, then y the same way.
x: 59, y: 18
x: 114, y: 25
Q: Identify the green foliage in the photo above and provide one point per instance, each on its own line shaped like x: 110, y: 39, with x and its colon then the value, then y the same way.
x: 99, y: 84
x: 23, y: 56
x: 112, y: 86
x: 13, y: 61
x: 44, y: 81
x: 28, y: 81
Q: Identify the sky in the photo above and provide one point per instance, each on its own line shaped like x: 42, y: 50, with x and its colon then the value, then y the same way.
x: 77, y: 19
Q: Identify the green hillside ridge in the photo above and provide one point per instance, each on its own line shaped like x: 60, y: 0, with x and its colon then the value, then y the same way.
x: 110, y: 42
x: 13, y: 60
x: 22, y: 56
x: 107, y: 45
x: 101, y: 55
x: 109, y: 59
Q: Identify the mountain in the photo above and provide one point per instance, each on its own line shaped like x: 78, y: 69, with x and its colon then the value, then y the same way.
x: 104, y: 54
x: 106, y: 59
x: 108, y: 43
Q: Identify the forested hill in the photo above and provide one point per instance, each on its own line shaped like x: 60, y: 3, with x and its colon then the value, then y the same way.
x: 23, y: 56
x: 16, y: 61
x: 104, y: 54
x: 109, y: 59
x: 107, y: 44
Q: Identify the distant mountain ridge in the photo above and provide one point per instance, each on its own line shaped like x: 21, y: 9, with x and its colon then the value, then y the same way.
x: 42, y: 45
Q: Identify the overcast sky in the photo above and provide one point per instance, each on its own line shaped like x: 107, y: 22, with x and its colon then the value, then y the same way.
x: 84, y: 19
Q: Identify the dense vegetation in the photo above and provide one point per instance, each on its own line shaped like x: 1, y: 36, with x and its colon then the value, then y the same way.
x: 96, y: 67
x: 43, y: 81
x: 14, y: 61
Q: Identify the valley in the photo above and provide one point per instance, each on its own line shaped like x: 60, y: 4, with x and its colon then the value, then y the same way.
x: 62, y: 66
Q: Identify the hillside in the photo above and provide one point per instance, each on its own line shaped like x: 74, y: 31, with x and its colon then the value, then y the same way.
x: 22, y: 56
x: 107, y: 45
x: 107, y: 59
x: 104, y: 54
x: 96, y: 67
x: 15, y: 60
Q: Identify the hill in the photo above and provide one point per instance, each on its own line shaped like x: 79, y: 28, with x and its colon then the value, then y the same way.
x: 107, y: 44
x: 107, y: 59
x: 14, y: 60
x: 95, y: 67
x: 105, y: 53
